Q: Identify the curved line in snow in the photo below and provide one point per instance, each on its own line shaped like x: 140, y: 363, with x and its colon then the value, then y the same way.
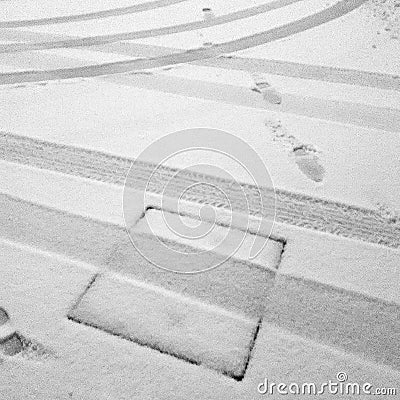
x: 167, y: 30
x: 151, y: 5
x: 337, y: 10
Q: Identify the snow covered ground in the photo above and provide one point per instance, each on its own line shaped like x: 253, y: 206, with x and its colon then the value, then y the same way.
x: 361, y: 40
x: 312, y: 87
x: 27, y: 10
x: 361, y: 164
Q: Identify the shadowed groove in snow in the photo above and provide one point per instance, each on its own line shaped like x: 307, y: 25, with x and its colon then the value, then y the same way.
x: 252, y: 65
x: 150, y: 5
x: 168, y: 30
x: 311, y: 21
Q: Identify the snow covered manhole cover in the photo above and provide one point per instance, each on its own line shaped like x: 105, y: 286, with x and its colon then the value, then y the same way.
x: 173, y: 324
x: 214, y: 244
x: 212, y: 168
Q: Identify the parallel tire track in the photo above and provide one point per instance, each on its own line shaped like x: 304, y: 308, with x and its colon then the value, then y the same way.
x: 347, y: 112
x: 168, y: 30
x: 306, y: 71
x: 291, y: 208
x: 311, y: 21
x: 253, y: 65
x: 137, y: 8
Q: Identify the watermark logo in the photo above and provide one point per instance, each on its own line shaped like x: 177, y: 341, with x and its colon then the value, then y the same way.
x: 339, y: 386
x: 222, y: 175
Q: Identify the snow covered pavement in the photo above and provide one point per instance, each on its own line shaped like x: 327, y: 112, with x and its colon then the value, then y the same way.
x: 103, y: 295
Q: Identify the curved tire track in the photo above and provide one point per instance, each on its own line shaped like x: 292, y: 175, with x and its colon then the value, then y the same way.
x: 291, y: 208
x: 168, y: 30
x: 341, y: 8
x: 255, y: 65
x: 93, y: 15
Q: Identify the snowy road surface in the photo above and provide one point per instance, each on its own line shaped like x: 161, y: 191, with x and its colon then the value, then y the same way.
x: 103, y: 294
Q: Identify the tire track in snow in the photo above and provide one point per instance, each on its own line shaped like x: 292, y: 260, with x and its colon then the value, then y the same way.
x: 147, y: 6
x: 168, y: 30
x: 307, y: 71
x: 253, y: 65
x: 363, y: 115
x: 328, y: 14
x: 292, y: 208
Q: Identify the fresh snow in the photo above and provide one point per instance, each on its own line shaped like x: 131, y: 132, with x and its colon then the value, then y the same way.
x: 88, y: 318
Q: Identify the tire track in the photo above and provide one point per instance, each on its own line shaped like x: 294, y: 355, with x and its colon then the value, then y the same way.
x: 291, y: 208
x: 341, y: 8
x: 268, y: 66
x: 363, y: 115
x: 190, y: 26
x: 253, y: 65
x: 137, y: 8
x: 306, y: 71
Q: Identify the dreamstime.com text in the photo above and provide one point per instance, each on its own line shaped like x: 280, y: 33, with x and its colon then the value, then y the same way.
x: 339, y: 386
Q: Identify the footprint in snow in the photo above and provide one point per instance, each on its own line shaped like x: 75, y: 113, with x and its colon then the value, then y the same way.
x: 306, y: 157
x: 270, y: 95
x: 12, y: 343
x: 9, y: 342
x: 309, y: 164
